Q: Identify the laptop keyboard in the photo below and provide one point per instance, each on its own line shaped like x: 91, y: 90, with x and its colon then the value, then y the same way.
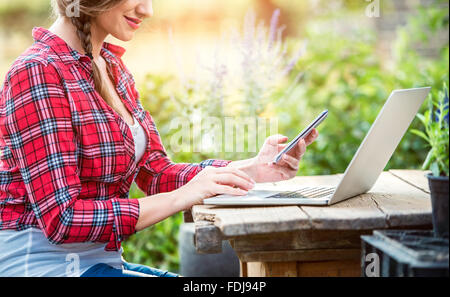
x: 306, y: 192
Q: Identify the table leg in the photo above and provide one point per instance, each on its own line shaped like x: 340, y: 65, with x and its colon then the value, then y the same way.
x: 243, y: 269
x: 346, y: 268
x: 271, y: 269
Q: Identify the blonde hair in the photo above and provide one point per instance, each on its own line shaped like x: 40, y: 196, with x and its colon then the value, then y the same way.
x: 81, y: 17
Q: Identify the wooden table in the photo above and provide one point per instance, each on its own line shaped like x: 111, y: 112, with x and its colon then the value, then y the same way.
x: 313, y: 240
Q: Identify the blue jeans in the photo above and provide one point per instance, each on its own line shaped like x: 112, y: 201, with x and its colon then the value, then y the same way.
x: 129, y: 270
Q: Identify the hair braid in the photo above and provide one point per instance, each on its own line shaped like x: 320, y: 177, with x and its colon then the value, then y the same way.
x: 83, y: 26
x: 89, y: 9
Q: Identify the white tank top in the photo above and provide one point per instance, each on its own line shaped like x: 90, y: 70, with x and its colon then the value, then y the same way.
x: 140, y: 139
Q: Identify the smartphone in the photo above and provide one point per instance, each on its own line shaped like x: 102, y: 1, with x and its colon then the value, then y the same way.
x: 302, y: 135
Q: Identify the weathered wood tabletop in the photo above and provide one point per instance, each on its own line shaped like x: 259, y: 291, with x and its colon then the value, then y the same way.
x: 313, y: 240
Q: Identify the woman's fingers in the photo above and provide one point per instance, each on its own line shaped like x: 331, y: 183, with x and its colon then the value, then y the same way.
x: 282, y: 147
x: 299, y: 150
x: 233, y: 180
x: 276, y: 139
x: 311, y: 137
x: 280, y: 141
x: 235, y: 171
x: 224, y: 189
x: 284, y: 172
x: 290, y: 161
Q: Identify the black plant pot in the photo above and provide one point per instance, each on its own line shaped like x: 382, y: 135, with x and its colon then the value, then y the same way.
x: 439, y: 203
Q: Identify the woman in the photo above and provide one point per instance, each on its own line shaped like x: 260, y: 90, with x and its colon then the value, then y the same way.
x: 74, y: 136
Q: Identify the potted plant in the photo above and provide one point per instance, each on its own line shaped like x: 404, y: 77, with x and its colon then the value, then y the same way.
x: 436, y: 124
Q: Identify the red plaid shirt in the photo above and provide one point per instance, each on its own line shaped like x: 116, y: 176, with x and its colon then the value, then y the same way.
x: 67, y: 158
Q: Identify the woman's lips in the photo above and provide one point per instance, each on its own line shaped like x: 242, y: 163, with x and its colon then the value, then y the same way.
x: 134, y: 23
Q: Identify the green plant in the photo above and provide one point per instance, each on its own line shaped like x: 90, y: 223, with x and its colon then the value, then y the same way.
x: 21, y: 15
x: 436, y: 134
x: 156, y: 246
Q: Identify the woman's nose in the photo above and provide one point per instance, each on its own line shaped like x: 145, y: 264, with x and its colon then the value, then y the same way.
x: 145, y: 9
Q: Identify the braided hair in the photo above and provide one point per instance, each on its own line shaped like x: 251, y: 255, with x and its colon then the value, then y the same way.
x: 88, y: 10
x: 83, y: 26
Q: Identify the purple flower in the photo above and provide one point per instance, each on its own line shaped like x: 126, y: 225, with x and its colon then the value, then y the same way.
x: 273, y: 26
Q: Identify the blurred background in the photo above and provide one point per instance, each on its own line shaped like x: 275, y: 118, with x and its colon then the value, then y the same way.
x: 283, y: 59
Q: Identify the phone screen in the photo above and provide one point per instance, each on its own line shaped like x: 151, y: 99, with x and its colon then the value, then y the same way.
x: 302, y: 135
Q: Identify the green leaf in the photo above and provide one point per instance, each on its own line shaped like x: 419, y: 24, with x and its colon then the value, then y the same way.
x: 435, y: 169
x: 422, y: 118
x: 420, y: 134
x: 429, y: 158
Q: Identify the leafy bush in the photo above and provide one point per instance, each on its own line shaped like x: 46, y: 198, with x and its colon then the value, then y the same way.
x: 156, y: 246
x: 345, y: 75
x: 20, y: 15
x: 435, y: 122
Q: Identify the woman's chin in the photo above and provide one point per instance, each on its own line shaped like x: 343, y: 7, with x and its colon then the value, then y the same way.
x: 125, y: 36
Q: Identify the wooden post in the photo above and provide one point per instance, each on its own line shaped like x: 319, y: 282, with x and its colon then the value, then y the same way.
x: 208, y: 238
x: 243, y: 269
x: 187, y: 216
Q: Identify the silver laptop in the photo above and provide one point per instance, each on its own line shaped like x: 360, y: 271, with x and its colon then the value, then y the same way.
x: 361, y: 174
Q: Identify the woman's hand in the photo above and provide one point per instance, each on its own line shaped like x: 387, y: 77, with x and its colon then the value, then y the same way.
x: 261, y: 168
x: 212, y: 181
x: 287, y: 167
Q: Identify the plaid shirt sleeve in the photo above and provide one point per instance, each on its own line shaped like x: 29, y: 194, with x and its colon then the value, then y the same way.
x: 38, y: 129
x: 159, y: 174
